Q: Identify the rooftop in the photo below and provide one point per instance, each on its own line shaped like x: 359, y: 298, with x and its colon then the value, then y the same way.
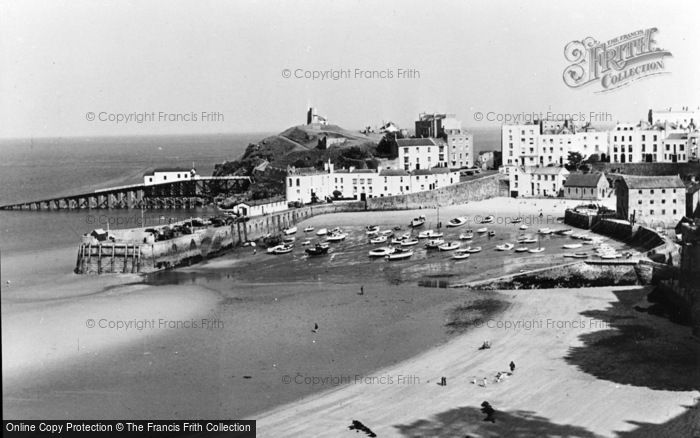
x: 167, y: 169
x: 677, y: 136
x: 416, y: 142
x: 393, y: 172
x: 653, y: 182
x: 583, y: 179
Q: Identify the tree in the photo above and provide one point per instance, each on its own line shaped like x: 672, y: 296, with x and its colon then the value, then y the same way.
x: 574, y: 161
x: 336, y: 194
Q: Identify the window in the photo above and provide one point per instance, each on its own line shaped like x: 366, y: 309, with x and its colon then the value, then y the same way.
x: 298, y: 182
x: 651, y: 212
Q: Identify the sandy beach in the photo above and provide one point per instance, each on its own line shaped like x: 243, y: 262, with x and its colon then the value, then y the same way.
x: 257, y: 355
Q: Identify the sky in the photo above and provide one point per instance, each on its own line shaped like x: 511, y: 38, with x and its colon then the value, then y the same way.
x: 72, y: 68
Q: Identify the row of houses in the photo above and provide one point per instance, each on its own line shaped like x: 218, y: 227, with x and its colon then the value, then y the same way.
x: 306, y: 185
x: 667, y: 137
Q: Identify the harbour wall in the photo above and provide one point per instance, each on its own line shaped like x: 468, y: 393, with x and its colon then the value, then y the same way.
x: 468, y: 191
x: 134, y: 253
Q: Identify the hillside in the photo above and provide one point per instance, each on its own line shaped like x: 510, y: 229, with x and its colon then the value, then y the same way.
x: 299, y: 146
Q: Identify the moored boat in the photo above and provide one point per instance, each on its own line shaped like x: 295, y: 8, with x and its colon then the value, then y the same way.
x: 466, y: 236
x: 409, y: 242
x: 473, y: 250
x: 448, y: 246
x: 505, y: 247
x: 577, y: 255
x: 318, y: 249
x: 457, y: 222
x: 565, y: 232
x: 523, y: 227
x: 522, y: 249
x: 399, y: 254
x: 336, y: 237
x: 429, y: 234
x: 290, y: 231
x: 308, y: 229
x: 283, y: 249
x: 434, y: 243
x: 417, y: 222
x: 545, y: 231
x: 517, y: 220
x: 572, y: 246
x: 381, y: 252
x: 488, y: 219
x: 378, y: 239
x: 460, y: 254
x: 322, y: 232
x: 535, y: 250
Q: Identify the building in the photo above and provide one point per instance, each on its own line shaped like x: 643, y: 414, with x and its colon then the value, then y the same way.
x: 433, y: 125
x: 421, y: 153
x: 684, y: 118
x: 259, y: 207
x: 309, y: 185
x: 692, y: 200
x: 590, y: 186
x: 537, y: 181
x: 315, y: 120
x: 486, y: 160
x: 676, y: 147
x: 455, y: 146
x: 460, y: 148
x: 168, y: 175
x: 654, y: 201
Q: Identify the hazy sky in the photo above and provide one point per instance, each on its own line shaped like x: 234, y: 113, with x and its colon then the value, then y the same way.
x: 60, y: 60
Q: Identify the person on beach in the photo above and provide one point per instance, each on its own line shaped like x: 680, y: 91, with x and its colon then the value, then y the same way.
x: 512, y: 366
x: 487, y: 409
x: 362, y: 290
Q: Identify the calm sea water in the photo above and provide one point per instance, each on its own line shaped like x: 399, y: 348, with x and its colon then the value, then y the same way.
x: 46, y: 168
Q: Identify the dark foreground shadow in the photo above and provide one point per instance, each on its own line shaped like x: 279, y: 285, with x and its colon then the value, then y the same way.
x: 467, y: 422
x: 633, y: 349
x: 685, y: 425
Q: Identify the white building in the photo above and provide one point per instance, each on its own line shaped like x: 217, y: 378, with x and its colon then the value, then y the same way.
x: 537, y: 181
x: 259, y: 207
x: 168, y: 175
x: 303, y: 185
x: 421, y: 153
x: 684, y: 118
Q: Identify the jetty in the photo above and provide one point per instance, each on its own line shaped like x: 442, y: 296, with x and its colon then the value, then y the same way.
x: 176, y: 194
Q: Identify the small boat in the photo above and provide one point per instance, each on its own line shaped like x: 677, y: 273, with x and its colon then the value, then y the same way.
x: 399, y: 254
x: 322, y: 232
x: 460, y: 254
x: 378, y: 239
x: 457, y: 222
x: 397, y: 228
x: 409, y: 242
x: 397, y: 240
x: 545, y: 231
x: 271, y: 250
x: 522, y: 249
x: 466, y: 236
x: 565, y: 232
x: 473, y: 250
x: 319, y: 249
x: 371, y: 229
x: 429, y: 234
x: 577, y: 255
x: 290, y: 231
x: 528, y: 240
x: 488, y: 220
x: 492, y: 233
x: 517, y: 220
x: 289, y: 239
x: 308, y: 229
x: 523, y: 227
x: 417, y: 222
x: 535, y: 250
x: 386, y: 232
x: 448, y: 246
x: 283, y: 249
x: 572, y: 246
x: 306, y: 243
x: 482, y: 230
x: 336, y: 237
x: 505, y: 247
x: 381, y: 252
x: 336, y: 230
x: 434, y: 243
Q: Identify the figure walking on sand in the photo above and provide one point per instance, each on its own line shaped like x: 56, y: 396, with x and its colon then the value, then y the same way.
x: 487, y: 409
x: 362, y: 290
x: 512, y: 366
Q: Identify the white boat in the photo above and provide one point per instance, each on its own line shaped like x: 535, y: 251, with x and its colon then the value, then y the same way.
x: 434, y: 243
x: 448, y: 246
x: 523, y: 227
x: 271, y: 250
x: 460, y: 254
x: 567, y: 232
x: 289, y: 239
x: 308, y: 229
x: 399, y: 254
x: 505, y: 247
x: 381, y: 252
x: 577, y: 255
x: 457, y: 222
x: 482, y: 230
x: 379, y: 239
x: 306, y: 243
x: 429, y: 234
x: 535, y: 250
x: 396, y: 241
x: 372, y: 229
x: 466, y: 236
x: 522, y: 249
x: 488, y: 220
x: 290, y: 231
x: 572, y: 246
x: 283, y: 249
x: 336, y: 230
x: 409, y: 242
x: 322, y: 232
x: 386, y: 232
x: 418, y: 221
x: 336, y: 237
x: 517, y: 220
x: 545, y: 231
x: 473, y: 250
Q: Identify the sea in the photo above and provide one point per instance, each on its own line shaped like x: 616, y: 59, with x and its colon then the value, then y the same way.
x: 35, y: 169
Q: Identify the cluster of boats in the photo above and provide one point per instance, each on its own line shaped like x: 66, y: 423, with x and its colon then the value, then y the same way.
x: 320, y: 248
